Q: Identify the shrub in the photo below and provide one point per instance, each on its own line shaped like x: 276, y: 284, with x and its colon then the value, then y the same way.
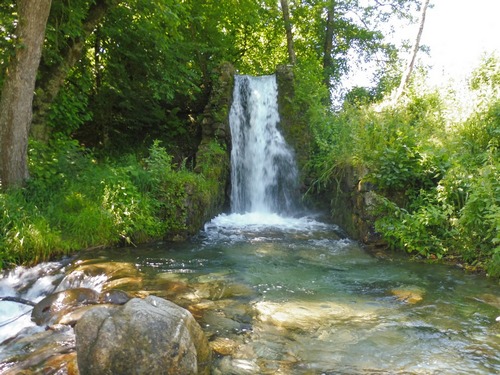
x: 438, y: 181
x: 74, y: 201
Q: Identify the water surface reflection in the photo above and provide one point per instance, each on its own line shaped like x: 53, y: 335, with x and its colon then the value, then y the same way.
x: 296, y: 297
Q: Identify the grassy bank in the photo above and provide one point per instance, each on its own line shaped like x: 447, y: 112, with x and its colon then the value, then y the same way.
x: 434, y: 161
x: 74, y: 201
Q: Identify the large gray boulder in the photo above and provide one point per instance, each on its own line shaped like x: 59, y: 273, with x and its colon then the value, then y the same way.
x: 144, y: 336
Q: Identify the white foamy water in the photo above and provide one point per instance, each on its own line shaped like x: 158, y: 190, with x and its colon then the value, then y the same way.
x: 263, y: 168
x: 78, y: 279
x: 254, y: 225
x: 32, y: 284
x: 260, y: 220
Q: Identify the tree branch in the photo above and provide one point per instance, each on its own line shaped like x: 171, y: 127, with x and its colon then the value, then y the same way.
x: 18, y: 300
x: 53, y: 77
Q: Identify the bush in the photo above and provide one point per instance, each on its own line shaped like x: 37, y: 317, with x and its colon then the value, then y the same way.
x: 73, y: 201
x: 438, y: 181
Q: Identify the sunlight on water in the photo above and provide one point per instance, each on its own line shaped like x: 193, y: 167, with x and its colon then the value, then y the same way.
x: 80, y: 279
x: 296, y: 297
x: 288, y: 295
x: 29, y: 283
x: 323, y: 305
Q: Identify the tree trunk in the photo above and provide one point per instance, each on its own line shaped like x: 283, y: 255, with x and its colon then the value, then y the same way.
x: 328, y: 49
x: 411, y: 62
x: 17, y: 93
x: 288, y: 28
x: 53, y: 78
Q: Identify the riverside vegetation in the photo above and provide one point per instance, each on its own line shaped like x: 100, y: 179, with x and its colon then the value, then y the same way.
x: 73, y: 201
x: 446, y: 173
x: 436, y: 174
x: 120, y: 93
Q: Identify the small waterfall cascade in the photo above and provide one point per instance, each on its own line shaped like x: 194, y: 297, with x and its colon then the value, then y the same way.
x: 263, y: 169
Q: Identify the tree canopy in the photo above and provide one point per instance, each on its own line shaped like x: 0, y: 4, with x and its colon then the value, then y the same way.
x: 114, y: 71
x: 114, y: 77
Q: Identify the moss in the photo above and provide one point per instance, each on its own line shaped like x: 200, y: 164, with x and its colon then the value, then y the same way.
x: 293, y: 122
x: 206, y: 197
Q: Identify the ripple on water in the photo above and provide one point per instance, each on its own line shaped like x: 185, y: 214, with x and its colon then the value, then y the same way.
x: 299, y: 298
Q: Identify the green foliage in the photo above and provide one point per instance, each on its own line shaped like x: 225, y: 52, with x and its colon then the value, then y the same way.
x: 212, y: 164
x: 26, y: 234
x: 7, y: 38
x: 486, y: 78
x: 423, y: 228
x: 72, y: 201
x: 146, y: 69
x: 311, y: 96
x: 437, y: 183
x: 359, y: 96
x: 70, y: 109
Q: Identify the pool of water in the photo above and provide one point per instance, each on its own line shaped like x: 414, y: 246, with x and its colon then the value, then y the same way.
x: 295, y: 296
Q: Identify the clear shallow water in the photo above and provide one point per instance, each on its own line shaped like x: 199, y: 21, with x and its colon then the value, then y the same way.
x: 294, y: 296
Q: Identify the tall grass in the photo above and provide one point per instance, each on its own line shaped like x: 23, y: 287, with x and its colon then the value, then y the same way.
x: 447, y: 170
x: 73, y: 201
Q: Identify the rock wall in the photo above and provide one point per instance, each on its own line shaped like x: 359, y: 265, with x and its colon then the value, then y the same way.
x: 213, y: 156
x: 350, y: 197
x: 352, y: 200
x: 293, y: 122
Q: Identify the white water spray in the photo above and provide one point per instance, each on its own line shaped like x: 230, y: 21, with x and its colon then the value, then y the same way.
x: 29, y: 283
x: 263, y: 168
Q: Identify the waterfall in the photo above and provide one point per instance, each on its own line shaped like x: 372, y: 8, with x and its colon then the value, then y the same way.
x: 263, y: 168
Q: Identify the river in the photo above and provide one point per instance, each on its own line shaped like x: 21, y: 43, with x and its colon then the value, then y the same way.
x: 295, y: 296
x: 277, y: 292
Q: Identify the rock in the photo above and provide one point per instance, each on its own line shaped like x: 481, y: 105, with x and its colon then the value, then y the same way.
x: 224, y: 346
x: 490, y: 299
x: 221, y: 289
x: 307, y: 316
x: 216, y: 321
x: 62, y: 364
x: 114, y: 296
x: 144, y: 336
x: 410, y: 295
x: 199, y: 309
x: 105, y: 275
x: 238, y: 366
x: 50, y: 309
x: 68, y: 306
x: 39, y: 352
x: 129, y: 283
x: 70, y: 318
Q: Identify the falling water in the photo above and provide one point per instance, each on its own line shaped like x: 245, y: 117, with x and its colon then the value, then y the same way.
x: 263, y: 169
x: 277, y: 293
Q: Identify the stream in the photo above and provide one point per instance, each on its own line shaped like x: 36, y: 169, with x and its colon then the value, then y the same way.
x: 274, y: 292
x: 279, y: 295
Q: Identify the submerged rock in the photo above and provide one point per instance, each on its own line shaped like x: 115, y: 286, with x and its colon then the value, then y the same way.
x: 489, y: 299
x: 68, y: 306
x: 50, y: 309
x: 34, y: 351
x: 114, y: 297
x: 237, y: 366
x: 150, y: 336
x: 102, y: 276
x: 224, y: 346
x: 303, y: 315
x: 409, y: 295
